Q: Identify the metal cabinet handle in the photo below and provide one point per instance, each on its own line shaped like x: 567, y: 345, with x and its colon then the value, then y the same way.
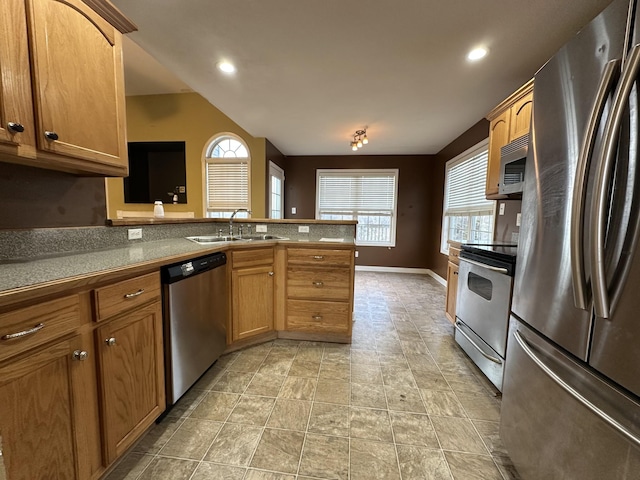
x: 80, y: 355
x: 15, y: 127
x: 318, y: 257
x: 316, y: 317
x: 609, y: 76
x: 51, y: 135
x: 455, y: 273
x: 271, y: 274
x: 477, y: 347
x: 110, y: 341
x: 24, y: 333
x: 318, y: 284
x: 132, y: 295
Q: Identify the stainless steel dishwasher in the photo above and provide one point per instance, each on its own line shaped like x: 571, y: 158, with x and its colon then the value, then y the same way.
x: 195, y: 312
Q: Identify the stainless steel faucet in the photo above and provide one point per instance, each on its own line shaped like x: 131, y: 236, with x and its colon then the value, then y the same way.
x: 233, y: 215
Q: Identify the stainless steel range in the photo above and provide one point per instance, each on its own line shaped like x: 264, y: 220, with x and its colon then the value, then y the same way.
x: 484, y: 301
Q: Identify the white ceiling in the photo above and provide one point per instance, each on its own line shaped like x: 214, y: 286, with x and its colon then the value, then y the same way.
x: 310, y: 73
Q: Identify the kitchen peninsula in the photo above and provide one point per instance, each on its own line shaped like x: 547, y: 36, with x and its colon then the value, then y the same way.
x: 81, y: 325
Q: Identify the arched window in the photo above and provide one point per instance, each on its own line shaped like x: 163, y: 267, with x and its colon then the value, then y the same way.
x: 227, y: 176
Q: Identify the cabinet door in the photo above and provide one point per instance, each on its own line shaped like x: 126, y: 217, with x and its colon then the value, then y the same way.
x: 498, y: 138
x: 521, y: 117
x: 78, y: 84
x: 132, y: 376
x: 37, y: 417
x: 253, y: 301
x: 452, y: 291
x: 16, y: 106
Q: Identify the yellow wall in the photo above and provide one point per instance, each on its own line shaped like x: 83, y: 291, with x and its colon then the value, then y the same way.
x: 190, y: 118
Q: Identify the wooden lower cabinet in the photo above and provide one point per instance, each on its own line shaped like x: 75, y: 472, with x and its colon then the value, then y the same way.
x: 253, y: 301
x: 319, y: 291
x: 452, y: 291
x: 48, y: 420
x: 131, y: 369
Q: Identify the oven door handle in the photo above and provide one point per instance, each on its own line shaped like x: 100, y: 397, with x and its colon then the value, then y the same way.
x: 484, y: 265
x: 470, y: 340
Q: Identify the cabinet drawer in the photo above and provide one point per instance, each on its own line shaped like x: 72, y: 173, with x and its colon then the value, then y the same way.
x: 126, y: 295
x: 38, y: 324
x: 312, y: 316
x: 454, y: 254
x: 320, y: 283
x: 317, y: 256
x: 252, y: 257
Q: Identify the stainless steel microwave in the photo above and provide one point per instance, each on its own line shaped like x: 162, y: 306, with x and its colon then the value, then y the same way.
x: 513, y: 160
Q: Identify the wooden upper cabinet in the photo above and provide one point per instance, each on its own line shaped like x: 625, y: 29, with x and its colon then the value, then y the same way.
x: 16, y: 106
x: 68, y: 59
x: 498, y: 137
x: 521, y: 116
x: 78, y: 83
x: 509, y: 120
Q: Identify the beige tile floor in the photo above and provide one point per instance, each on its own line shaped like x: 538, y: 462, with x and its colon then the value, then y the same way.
x: 402, y: 402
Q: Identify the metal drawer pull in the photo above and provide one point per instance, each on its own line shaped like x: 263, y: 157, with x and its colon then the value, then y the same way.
x: 318, y: 257
x: 24, y: 333
x: 132, y: 295
x: 110, y: 341
x: 15, y: 127
x: 318, y: 284
x: 316, y: 317
x: 271, y: 274
x: 80, y: 355
x: 477, y: 347
x: 51, y: 135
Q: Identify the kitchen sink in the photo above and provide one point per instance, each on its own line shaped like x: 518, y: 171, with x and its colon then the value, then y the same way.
x: 207, y: 239
x: 203, y: 240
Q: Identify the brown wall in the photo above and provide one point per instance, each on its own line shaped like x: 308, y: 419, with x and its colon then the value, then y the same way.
x: 38, y: 198
x: 506, y: 224
x: 480, y: 131
x: 416, y: 184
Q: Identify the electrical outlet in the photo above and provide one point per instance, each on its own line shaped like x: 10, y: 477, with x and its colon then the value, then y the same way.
x: 356, y: 253
x: 135, y: 233
x: 182, y: 189
x: 501, y: 209
x: 294, y: 210
x: 518, y: 219
x: 261, y: 229
x: 303, y: 229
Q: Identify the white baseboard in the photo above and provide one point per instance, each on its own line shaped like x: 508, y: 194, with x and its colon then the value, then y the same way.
x: 419, y: 271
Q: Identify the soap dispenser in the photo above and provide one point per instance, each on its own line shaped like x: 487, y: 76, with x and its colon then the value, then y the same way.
x: 158, y: 209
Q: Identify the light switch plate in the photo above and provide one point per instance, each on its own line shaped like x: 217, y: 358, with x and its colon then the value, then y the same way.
x: 303, y: 229
x: 518, y: 218
x: 261, y: 229
x: 294, y: 210
x: 135, y: 233
x: 501, y: 209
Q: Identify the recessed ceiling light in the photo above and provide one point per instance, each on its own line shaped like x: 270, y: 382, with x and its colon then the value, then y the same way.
x: 477, y: 54
x: 226, y: 67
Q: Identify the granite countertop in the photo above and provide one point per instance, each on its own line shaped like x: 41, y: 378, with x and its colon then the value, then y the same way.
x: 21, y: 274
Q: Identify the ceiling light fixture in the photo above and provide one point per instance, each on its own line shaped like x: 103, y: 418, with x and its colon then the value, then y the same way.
x: 477, y: 54
x: 359, y: 139
x: 226, y: 67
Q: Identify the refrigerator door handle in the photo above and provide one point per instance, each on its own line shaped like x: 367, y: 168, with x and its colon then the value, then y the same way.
x: 609, y: 77
x: 574, y: 393
x: 601, y: 301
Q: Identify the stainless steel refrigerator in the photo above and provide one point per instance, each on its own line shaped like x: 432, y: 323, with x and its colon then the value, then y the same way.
x: 571, y: 391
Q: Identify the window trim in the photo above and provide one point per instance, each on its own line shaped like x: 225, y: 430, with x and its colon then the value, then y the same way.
x: 460, y: 158
x: 278, y: 172
x: 208, y: 149
x: 364, y: 171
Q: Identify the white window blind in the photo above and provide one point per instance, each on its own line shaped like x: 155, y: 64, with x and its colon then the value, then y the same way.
x: 468, y: 215
x: 465, y: 186
x: 368, y: 196
x: 227, y: 186
x: 228, y: 174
